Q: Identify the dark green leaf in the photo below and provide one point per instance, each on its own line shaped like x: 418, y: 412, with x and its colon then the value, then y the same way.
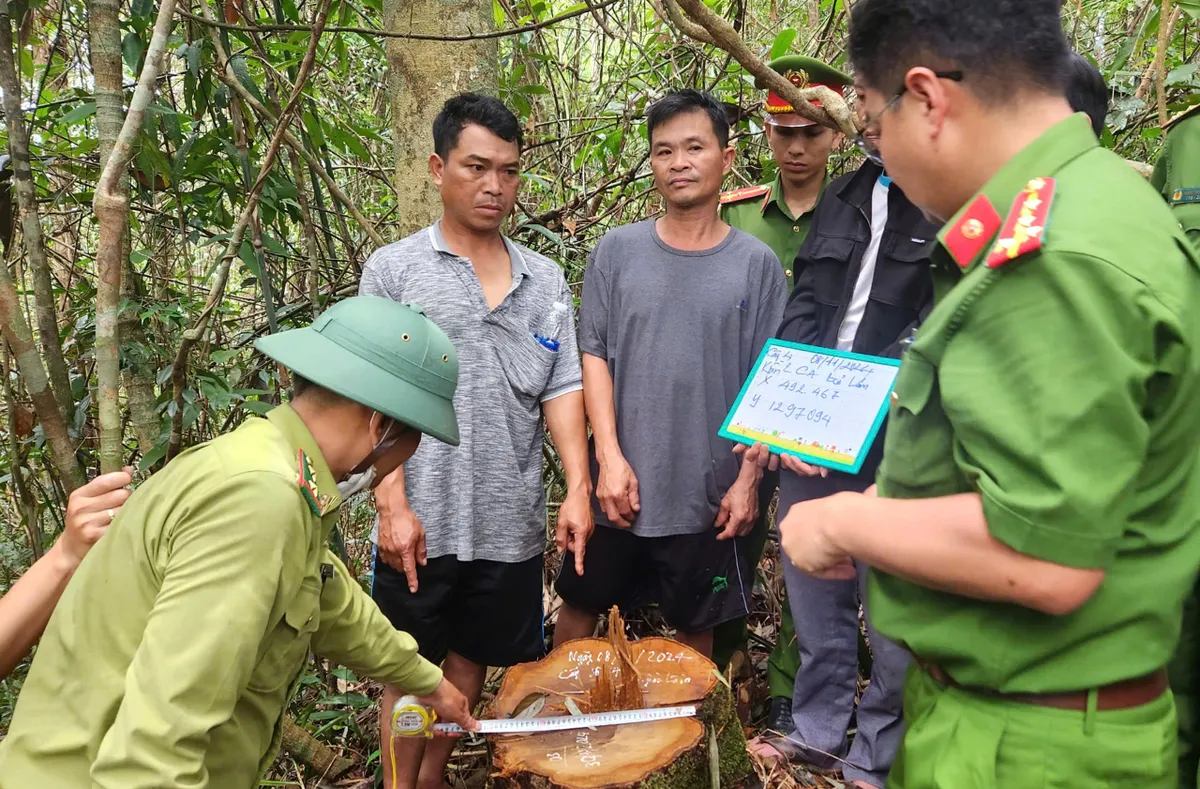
x: 153, y: 456
x: 242, y: 71
x: 180, y: 163
x: 549, y: 234
x: 85, y: 110
x: 131, y: 51
x: 193, y: 59
x: 246, y: 253
x: 1184, y: 75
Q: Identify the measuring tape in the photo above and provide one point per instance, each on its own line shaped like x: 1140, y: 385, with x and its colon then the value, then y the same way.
x: 412, y: 719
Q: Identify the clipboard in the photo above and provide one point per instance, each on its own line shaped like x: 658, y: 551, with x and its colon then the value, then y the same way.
x: 821, y: 405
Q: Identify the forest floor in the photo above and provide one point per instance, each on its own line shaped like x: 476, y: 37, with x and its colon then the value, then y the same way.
x: 468, y: 768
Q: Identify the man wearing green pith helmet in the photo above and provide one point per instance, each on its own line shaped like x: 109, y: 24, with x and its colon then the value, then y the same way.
x: 778, y: 213
x: 170, y: 659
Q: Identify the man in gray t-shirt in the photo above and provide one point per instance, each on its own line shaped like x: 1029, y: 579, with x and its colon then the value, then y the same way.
x: 675, y: 312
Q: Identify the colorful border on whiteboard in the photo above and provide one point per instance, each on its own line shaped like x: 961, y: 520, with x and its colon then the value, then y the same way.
x: 808, y: 453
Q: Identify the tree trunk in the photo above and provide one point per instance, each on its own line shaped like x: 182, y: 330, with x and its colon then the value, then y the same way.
x: 112, y: 215
x: 31, y: 222
x: 104, y: 48
x: 602, y: 675
x: 422, y: 75
x: 16, y: 330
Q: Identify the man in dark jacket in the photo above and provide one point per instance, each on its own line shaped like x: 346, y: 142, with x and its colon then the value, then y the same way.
x: 864, y: 287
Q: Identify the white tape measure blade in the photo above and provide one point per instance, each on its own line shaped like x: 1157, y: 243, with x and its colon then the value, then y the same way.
x: 567, y: 722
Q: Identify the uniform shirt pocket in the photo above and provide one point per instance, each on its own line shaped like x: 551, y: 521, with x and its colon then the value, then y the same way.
x: 288, y: 642
x: 918, y: 456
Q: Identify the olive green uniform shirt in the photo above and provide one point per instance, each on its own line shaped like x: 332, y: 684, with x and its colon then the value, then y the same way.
x: 1177, y: 173
x: 767, y: 217
x: 1063, y: 386
x: 172, y: 654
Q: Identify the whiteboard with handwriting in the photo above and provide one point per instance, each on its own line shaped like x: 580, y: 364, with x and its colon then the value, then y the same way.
x: 821, y: 405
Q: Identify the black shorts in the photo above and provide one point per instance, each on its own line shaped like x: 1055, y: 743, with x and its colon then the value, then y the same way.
x: 488, y: 612
x: 697, y: 580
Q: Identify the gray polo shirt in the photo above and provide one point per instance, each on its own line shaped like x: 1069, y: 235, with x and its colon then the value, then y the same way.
x: 484, y: 498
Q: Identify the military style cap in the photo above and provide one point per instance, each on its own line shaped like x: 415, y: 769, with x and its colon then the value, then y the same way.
x: 803, y: 72
x: 380, y: 353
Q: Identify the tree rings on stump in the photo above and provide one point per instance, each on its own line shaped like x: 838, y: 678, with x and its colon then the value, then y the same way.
x: 595, y: 674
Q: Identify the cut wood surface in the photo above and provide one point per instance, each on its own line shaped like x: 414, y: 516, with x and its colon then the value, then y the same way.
x: 595, y: 674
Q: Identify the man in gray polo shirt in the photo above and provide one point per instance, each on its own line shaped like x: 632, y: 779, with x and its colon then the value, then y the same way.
x: 462, y: 533
x: 675, y: 312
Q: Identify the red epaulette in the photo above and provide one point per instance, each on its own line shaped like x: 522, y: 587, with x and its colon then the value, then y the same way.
x: 745, y: 193
x: 966, y: 238
x: 1025, y: 227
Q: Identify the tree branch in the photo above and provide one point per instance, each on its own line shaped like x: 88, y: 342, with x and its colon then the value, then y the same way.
x: 193, y: 334
x: 225, y: 75
x: 685, y: 25
x: 1166, y: 23
x: 836, y: 115
x: 366, y: 31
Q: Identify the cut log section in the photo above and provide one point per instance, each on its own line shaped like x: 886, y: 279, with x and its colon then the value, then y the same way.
x: 601, y: 675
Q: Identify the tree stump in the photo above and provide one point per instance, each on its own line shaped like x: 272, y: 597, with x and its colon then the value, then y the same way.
x: 601, y: 675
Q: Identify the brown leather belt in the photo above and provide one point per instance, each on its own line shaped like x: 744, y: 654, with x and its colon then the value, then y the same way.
x: 1121, y: 695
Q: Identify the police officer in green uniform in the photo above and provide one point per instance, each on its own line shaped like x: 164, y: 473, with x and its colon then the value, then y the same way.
x: 1177, y: 171
x: 1177, y: 177
x: 170, y: 658
x: 778, y: 214
x: 1034, y: 531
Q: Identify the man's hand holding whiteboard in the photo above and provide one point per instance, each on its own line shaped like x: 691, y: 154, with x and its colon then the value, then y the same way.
x: 820, y: 405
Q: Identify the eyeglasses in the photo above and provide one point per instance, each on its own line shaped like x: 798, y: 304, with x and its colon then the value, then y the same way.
x: 870, y: 130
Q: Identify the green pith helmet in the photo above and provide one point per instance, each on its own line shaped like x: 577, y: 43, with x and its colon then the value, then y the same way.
x: 803, y: 72
x: 380, y: 353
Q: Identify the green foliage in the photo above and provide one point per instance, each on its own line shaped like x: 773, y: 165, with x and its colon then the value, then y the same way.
x: 581, y: 90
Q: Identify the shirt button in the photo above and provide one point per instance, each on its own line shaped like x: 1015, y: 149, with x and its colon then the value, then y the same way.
x: 795, y: 228
x: 787, y: 273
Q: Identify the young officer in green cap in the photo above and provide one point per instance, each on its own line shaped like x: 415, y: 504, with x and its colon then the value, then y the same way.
x: 170, y: 659
x: 1177, y: 176
x: 1034, y: 531
x: 779, y: 214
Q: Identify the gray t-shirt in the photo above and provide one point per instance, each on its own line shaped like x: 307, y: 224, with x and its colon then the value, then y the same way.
x: 680, y: 331
x: 484, y: 498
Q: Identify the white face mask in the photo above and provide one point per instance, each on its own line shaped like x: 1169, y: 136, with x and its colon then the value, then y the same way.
x: 357, y: 483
